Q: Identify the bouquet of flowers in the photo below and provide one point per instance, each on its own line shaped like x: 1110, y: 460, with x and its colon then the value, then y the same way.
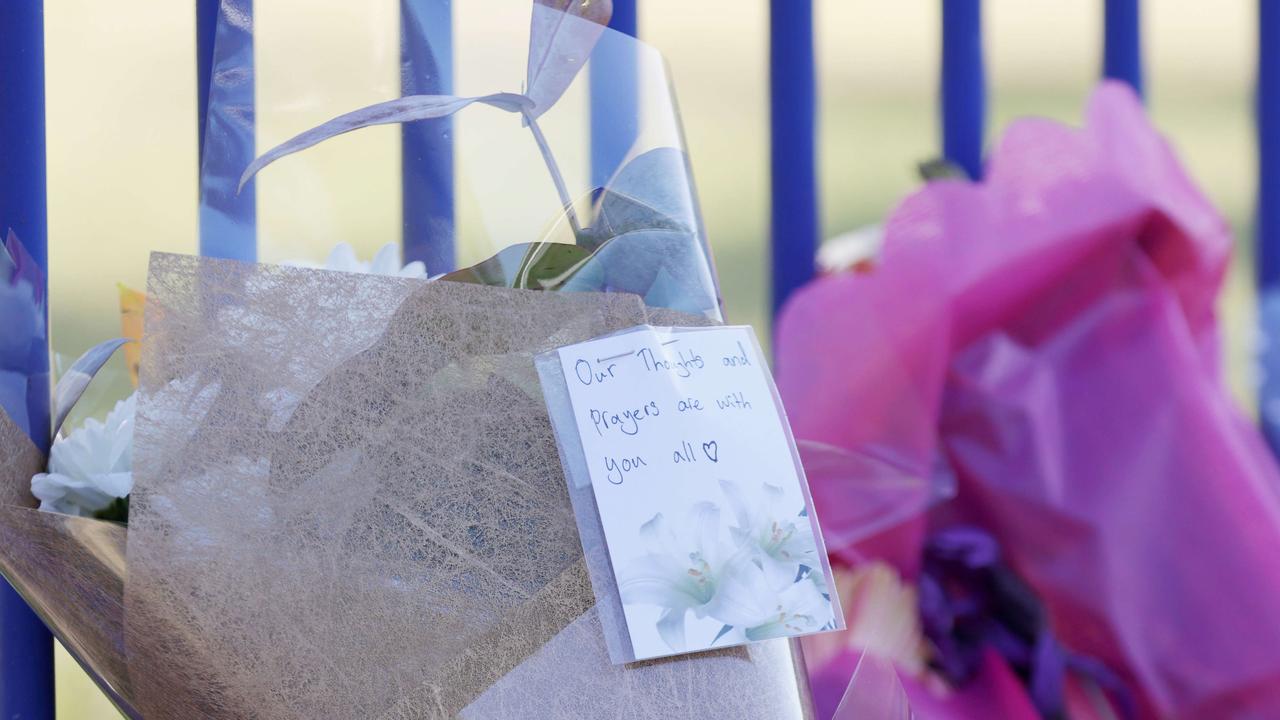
x: 342, y: 491
x: 1076, y: 521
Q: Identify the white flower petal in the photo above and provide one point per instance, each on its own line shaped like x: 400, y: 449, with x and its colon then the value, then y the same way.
x: 655, y: 535
x: 704, y: 522
x: 91, y: 466
x: 416, y: 269
x: 743, y: 596
x: 342, y: 257
x: 68, y: 495
x: 737, y: 503
x: 671, y: 628
x: 658, y: 580
x: 778, y: 573
x: 117, y: 484
x: 387, y: 260
x: 804, y: 599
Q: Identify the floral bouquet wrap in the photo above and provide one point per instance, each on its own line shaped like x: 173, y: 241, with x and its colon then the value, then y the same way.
x: 1043, y: 499
x: 343, y: 492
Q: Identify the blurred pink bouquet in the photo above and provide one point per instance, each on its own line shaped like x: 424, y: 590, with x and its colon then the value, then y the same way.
x: 1083, y: 524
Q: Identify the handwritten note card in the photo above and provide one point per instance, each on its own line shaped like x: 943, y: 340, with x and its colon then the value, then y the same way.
x: 704, y: 506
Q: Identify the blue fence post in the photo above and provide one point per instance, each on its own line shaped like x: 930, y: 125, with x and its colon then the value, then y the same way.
x: 26, y: 648
x: 964, y: 93
x: 793, y: 158
x: 224, y: 38
x: 615, y: 96
x: 206, y: 28
x: 1122, y: 46
x: 1268, y: 218
x: 426, y: 146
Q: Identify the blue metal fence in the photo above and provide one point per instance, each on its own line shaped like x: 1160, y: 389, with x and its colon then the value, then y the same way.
x: 1268, y: 218
x: 26, y: 648
x: 793, y: 146
x: 225, y: 72
x: 1121, y: 46
x: 426, y: 148
x: 963, y: 95
x: 26, y: 669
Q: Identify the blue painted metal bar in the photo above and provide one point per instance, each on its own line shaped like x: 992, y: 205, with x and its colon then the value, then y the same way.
x: 1122, y: 43
x: 793, y: 158
x: 615, y: 96
x: 426, y: 146
x: 206, y: 25
x: 225, y: 75
x: 26, y: 648
x: 1268, y: 218
x: 964, y: 94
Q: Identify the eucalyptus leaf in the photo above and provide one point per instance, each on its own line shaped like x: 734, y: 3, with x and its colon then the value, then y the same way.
x: 499, y: 270
x: 546, y: 265
x: 651, y: 191
x: 666, y: 267
x: 72, y: 384
x: 562, y: 34
x: 619, y: 214
x: 531, y: 266
x: 405, y: 109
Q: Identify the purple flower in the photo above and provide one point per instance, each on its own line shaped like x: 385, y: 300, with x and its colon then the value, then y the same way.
x: 970, y: 601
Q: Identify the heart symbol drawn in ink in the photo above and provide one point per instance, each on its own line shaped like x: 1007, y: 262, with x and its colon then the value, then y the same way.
x: 712, y: 451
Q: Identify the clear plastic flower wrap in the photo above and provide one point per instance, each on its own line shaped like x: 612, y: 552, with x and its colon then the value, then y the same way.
x: 346, y: 495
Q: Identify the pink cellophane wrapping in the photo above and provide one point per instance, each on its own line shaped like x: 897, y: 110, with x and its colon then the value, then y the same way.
x: 1051, y: 333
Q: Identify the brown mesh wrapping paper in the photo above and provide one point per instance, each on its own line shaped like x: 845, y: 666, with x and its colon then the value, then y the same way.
x: 349, y: 503
x: 19, y: 460
x: 70, y: 570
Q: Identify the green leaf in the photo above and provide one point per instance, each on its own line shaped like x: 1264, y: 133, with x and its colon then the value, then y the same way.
x: 650, y: 192
x: 530, y: 266
x: 117, y: 511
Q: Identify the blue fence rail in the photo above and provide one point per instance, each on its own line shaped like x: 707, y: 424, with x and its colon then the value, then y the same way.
x: 26, y: 666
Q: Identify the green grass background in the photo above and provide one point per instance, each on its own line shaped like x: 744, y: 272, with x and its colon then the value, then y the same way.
x: 122, y: 132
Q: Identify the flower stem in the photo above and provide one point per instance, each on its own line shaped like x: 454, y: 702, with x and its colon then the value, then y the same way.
x: 556, y: 177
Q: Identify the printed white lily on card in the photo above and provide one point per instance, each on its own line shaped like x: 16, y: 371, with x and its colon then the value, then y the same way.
x: 710, y: 534
x: 678, y: 571
x: 781, y: 543
x: 757, y: 580
x: 750, y: 601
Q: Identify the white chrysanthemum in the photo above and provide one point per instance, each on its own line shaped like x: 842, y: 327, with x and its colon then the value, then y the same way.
x: 91, y: 466
x: 388, y: 261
